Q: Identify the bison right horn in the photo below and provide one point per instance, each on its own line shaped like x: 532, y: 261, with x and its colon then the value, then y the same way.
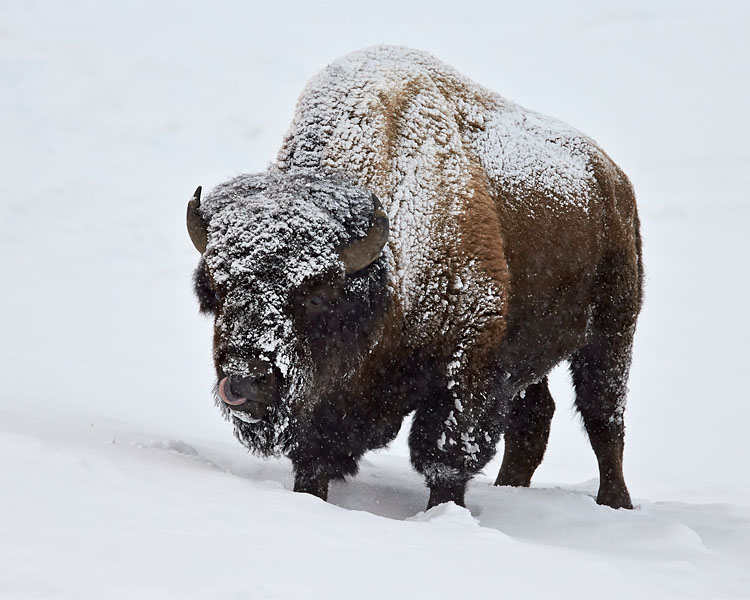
x: 363, y: 252
x: 196, y: 226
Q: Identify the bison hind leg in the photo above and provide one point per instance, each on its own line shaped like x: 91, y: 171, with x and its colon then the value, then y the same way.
x: 600, y: 373
x: 526, y: 434
x: 599, y: 377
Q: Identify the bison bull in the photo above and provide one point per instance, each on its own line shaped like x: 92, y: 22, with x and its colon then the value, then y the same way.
x: 420, y: 244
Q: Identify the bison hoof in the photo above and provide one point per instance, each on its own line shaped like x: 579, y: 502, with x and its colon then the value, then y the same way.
x: 513, y: 479
x: 318, y: 487
x: 440, y: 495
x: 614, y: 498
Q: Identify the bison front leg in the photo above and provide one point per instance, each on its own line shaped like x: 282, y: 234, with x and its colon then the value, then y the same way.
x: 526, y: 434
x: 315, y: 466
x: 450, y: 443
x: 328, y: 450
x: 310, y: 483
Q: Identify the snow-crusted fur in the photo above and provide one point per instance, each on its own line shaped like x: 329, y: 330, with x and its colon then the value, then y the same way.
x: 514, y: 245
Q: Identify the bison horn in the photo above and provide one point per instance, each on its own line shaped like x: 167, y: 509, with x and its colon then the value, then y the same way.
x: 195, y: 224
x: 363, y: 252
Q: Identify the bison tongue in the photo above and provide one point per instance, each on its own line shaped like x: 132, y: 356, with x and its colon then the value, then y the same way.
x: 254, y: 409
x: 225, y: 393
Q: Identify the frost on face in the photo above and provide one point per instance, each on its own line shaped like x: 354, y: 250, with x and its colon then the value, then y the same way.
x: 268, y: 235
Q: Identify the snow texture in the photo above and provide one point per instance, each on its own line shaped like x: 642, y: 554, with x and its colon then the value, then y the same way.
x: 523, y: 151
x: 342, y: 124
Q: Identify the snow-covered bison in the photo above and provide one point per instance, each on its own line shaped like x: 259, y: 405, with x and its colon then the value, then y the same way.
x: 420, y: 244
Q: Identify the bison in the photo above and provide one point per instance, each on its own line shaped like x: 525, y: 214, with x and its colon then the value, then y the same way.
x: 420, y: 244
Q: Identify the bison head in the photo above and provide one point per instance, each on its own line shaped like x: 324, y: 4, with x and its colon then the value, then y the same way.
x: 291, y: 270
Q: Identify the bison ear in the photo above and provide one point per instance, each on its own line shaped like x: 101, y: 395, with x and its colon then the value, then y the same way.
x: 363, y: 252
x: 207, y: 300
x: 196, y: 226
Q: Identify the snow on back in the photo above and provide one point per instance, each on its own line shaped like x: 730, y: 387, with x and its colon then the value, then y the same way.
x: 525, y: 151
x: 413, y: 130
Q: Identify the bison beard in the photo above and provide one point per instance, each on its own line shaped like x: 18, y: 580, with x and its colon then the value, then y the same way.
x: 420, y: 245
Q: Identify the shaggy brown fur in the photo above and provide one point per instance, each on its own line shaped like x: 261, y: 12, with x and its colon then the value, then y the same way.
x: 566, y: 273
x: 514, y: 246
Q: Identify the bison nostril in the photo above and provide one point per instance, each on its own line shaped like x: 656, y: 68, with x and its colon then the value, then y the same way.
x: 259, y: 387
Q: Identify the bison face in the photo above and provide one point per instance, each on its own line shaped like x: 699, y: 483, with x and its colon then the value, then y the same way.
x: 291, y: 271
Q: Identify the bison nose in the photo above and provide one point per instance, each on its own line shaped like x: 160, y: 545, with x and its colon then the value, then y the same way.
x: 253, y: 387
x: 252, y: 393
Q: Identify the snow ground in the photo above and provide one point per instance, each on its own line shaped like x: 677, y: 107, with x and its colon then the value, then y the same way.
x: 120, y: 479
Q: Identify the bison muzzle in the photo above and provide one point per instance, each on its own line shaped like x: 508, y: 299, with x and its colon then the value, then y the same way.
x: 421, y: 245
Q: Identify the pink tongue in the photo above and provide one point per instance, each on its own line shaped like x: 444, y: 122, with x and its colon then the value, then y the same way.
x: 225, y: 398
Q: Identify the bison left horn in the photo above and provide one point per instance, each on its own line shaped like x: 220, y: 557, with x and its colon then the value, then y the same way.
x: 363, y: 252
x: 196, y: 226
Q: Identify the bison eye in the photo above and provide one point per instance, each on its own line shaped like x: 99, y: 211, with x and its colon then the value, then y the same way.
x: 317, y: 300
x: 316, y: 304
